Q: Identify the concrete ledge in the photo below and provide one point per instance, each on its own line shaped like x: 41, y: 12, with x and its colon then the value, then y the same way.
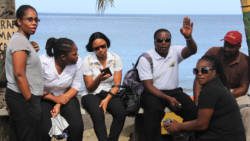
x: 4, y: 112
x: 88, y: 133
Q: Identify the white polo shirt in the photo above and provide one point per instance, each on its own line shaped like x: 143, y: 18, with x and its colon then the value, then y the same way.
x: 165, y: 70
x: 71, y: 77
x: 91, y: 67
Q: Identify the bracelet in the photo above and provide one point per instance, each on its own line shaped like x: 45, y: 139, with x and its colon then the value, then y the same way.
x: 110, y: 93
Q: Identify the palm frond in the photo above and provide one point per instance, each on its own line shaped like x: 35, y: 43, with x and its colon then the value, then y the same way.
x: 102, y: 4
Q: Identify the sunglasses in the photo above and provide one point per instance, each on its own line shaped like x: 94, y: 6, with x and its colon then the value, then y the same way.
x: 203, y: 70
x: 162, y: 40
x: 100, y: 47
x: 31, y: 19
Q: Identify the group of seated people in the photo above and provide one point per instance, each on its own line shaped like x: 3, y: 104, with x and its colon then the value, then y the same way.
x: 42, y: 87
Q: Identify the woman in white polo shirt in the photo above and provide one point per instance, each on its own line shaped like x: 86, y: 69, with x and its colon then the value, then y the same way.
x: 100, y: 95
x: 63, y: 80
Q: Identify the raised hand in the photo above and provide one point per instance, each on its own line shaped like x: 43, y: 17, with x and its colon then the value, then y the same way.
x: 187, y: 27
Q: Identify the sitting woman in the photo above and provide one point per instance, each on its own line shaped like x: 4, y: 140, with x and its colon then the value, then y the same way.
x: 218, y: 113
x: 63, y: 80
x: 102, y: 86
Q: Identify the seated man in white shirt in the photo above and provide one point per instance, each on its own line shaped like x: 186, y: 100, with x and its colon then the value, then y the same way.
x: 161, y: 84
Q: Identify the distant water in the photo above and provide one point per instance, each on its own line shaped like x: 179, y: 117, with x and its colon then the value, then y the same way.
x: 131, y: 35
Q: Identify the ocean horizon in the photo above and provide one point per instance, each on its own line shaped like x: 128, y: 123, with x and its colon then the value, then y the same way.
x: 131, y: 35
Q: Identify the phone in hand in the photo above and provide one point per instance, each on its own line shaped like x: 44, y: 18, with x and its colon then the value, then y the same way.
x: 106, y: 71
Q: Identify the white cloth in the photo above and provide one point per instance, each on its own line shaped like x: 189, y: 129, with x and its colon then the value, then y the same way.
x: 244, y: 104
x: 71, y: 77
x: 59, y: 124
x: 165, y: 70
x: 91, y: 67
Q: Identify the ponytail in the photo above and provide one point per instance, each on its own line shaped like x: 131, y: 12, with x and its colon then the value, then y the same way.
x: 50, y: 44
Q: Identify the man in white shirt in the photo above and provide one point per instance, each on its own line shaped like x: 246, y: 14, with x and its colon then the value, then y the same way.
x: 161, y: 83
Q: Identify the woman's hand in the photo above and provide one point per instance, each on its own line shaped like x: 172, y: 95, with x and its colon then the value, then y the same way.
x: 104, y: 76
x: 172, y: 127
x: 56, y: 110
x: 104, y: 104
x: 62, y: 99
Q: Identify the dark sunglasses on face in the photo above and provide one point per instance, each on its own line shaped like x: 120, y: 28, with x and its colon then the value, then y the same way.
x: 228, y: 45
x: 31, y: 19
x: 100, y: 47
x: 162, y: 40
x: 203, y: 70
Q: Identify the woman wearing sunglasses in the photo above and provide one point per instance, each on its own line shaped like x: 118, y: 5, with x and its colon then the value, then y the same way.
x: 24, y: 75
x: 218, y: 116
x: 102, y: 70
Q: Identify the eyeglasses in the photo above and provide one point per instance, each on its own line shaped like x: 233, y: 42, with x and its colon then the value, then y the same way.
x: 203, y: 70
x: 100, y: 47
x: 31, y: 19
x: 162, y: 40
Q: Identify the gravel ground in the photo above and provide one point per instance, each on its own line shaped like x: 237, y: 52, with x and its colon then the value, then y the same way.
x: 89, y: 134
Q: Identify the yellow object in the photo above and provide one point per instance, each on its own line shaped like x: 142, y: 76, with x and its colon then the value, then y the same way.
x: 171, y: 116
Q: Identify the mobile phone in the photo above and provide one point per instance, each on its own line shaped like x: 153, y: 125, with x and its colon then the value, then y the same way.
x: 106, y: 71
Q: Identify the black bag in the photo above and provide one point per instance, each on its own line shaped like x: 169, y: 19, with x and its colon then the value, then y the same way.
x: 132, y: 88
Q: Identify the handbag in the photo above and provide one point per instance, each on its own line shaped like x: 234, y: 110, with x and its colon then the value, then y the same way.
x: 131, y: 101
x: 132, y: 88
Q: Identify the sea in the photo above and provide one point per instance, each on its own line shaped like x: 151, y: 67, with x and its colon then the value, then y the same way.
x: 131, y: 35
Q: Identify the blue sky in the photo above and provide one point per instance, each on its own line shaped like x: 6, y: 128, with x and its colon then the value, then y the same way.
x: 138, y: 6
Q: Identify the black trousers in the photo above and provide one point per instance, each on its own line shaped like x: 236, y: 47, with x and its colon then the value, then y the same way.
x: 154, y: 111
x: 25, y: 117
x: 71, y: 112
x: 115, y: 107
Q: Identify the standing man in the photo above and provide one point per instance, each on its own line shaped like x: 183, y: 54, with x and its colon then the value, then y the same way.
x: 235, y: 65
x: 161, y: 84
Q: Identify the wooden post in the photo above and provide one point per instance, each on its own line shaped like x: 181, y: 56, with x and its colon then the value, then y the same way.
x: 7, y: 11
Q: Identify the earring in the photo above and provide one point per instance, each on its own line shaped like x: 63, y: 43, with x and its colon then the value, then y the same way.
x: 18, y: 23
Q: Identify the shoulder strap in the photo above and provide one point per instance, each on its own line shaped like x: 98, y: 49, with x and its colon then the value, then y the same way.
x: 148, y: 57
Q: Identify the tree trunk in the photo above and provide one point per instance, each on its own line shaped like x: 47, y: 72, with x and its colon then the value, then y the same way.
x: 7, y: 11
x: 245, y: 4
